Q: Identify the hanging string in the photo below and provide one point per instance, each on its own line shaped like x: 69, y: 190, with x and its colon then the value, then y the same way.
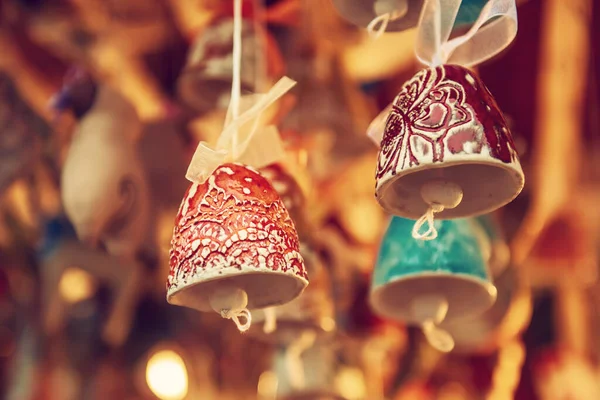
x: 293, y: 358
x: 439, y: 195
x: 235, y: 315
x: 427, y: 219
x: 236, y: 86
x: 386, y: 11
x: 379, y: 24
x: 493, y: 31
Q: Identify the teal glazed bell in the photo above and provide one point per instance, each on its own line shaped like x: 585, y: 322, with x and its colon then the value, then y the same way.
x: 426, y: 282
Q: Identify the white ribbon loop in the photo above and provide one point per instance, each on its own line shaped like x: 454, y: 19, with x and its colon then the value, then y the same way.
x: 433, y: 47
x: 242, y: 139
x: 235, y: 315
x: 491, y: 33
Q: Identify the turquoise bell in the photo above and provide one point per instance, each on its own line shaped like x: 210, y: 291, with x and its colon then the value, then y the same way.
x: 426, y: 282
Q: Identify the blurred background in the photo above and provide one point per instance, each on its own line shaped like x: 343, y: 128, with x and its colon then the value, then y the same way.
x: 83, y: 318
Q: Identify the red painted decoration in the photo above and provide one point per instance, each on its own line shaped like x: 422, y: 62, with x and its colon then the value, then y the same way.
x: 233, y: 223
x: 440, y: 110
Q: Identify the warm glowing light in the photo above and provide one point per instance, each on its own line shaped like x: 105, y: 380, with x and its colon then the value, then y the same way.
x: 167, y: 376
x: 76, y: 285
x: 267, y: 385
x: 327, y: 324
x: 350, y: 383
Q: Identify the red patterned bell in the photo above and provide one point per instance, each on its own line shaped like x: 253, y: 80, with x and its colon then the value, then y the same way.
x: 234, y: 246
x: 446, y: 149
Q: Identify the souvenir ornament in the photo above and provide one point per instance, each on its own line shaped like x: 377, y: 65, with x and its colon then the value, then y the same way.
x: 234, y: 245
x: 103, y: 184
x: 379, y: 16
x: 205, y: 82
x: 310, y: 313
x: 425, y: 283
x: 502, y: 323
x: 446, y: 149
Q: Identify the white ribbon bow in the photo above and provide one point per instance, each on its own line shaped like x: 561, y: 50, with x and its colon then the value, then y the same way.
x: 243, y: 140
x: 491, y: 33
x: 434, y: 47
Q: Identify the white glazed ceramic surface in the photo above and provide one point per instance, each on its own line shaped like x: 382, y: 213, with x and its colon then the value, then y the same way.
x: 445, y: 124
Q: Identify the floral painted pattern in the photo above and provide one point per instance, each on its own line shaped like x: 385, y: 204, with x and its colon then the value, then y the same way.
x: 234, y: 220
x: 442, y: 112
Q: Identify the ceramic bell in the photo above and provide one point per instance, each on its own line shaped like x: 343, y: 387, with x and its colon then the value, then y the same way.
x: 426, y: 282
x: 312, y: 311
x: 205, y: 82
x: 311, y: 378
x: 400, y: 14
x: 505, y: 320
x: 103, y: 183
x: 234, y: 247
x: 291, y: 194
x: 446, y: 149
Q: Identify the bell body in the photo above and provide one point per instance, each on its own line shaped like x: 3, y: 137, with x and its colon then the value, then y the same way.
x: 234, y: 229
x: 311, y: 311
x: 452, y: 266
x: 205, y: 82
x: 445, y: 124
x: 362, y: 12
x: 505, y: 320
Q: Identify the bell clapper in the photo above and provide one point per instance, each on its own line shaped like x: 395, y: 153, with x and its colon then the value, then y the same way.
x: 440, y: 195
x: 432, y: 310
x: 270, y: 320
x: 386, y: 11
x: 231, y: 303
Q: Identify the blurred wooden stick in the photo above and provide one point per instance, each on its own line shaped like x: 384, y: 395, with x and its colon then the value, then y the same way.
x: 561, y: 88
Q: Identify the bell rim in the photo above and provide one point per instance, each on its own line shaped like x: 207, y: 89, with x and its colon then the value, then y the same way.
x: 201, y: 279
x: 513, y: 168
x: 487, y: 293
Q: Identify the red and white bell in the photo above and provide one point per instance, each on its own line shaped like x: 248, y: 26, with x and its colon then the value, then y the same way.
x: 234, y: 247
x: 313, y: 310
